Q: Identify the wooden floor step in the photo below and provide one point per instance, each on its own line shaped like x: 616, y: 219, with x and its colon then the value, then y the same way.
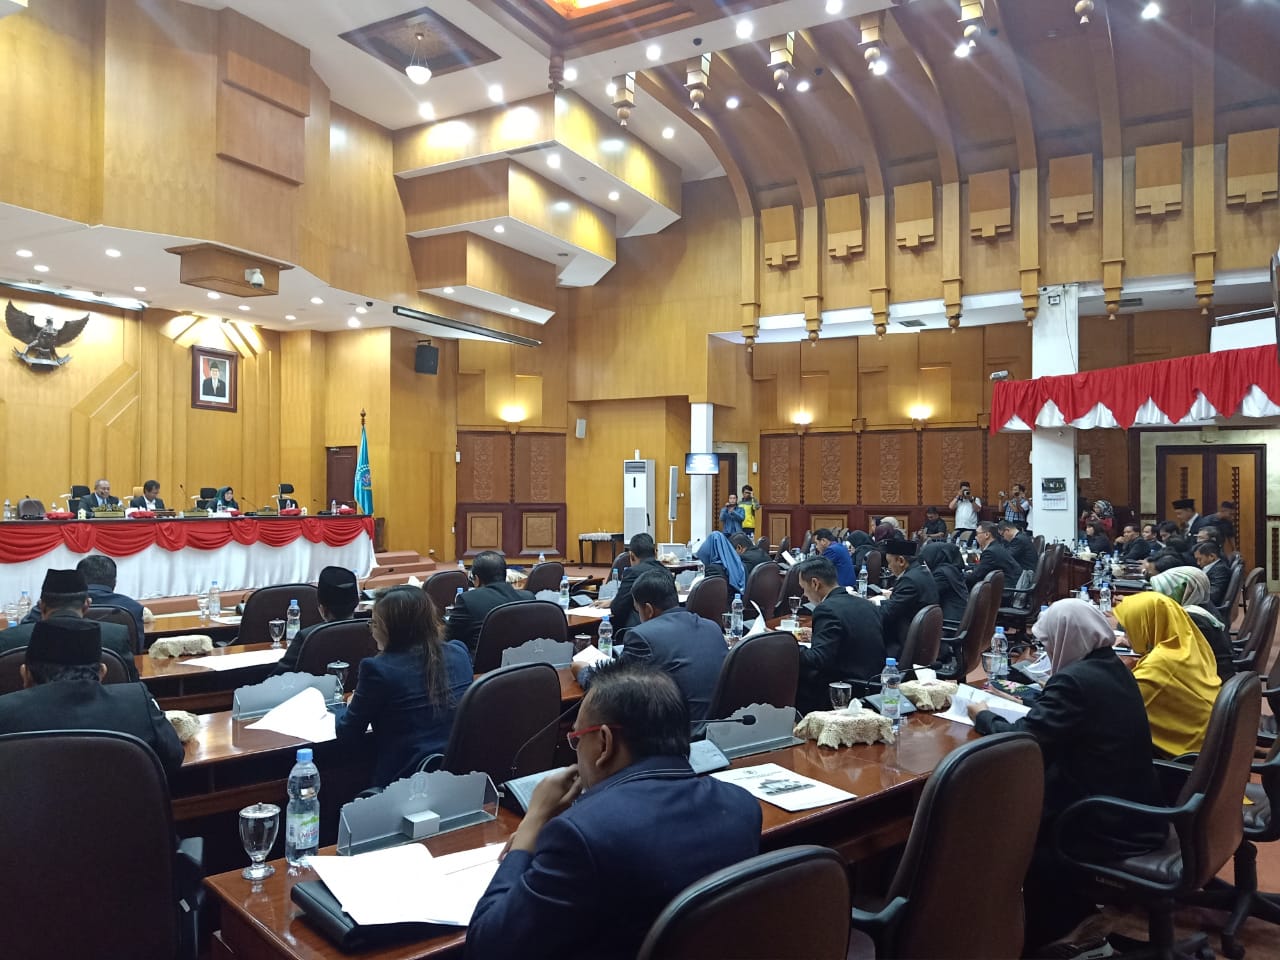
x: 393, y: 558
x: 420, y: 568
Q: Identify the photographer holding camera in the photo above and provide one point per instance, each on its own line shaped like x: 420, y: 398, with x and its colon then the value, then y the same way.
x: 966, y: 507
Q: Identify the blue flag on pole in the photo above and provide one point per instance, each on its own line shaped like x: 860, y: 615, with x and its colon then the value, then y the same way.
x: 364, y: 480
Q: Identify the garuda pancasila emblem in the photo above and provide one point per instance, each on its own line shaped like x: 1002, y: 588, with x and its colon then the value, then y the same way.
x: 41, y: 341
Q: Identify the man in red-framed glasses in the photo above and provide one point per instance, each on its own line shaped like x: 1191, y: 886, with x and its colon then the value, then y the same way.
x: 609, y: 841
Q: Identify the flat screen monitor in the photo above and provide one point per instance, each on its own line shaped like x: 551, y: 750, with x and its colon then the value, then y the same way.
x: 701, y: 464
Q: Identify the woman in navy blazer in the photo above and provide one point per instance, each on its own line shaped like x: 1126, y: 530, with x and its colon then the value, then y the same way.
x: 409, y: 692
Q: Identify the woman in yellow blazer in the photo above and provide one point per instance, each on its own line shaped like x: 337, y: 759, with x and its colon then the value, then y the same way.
x: 1176, y: 673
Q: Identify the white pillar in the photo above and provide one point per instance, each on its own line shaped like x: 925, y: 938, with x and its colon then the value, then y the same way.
x: 1055, y: 350
x: 702, y: 418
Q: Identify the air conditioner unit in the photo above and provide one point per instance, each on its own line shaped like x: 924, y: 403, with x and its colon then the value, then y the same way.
x: 639, y: 479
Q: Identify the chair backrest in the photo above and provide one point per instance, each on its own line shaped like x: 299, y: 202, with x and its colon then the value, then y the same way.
x: 272, y: 603
x: 1253, y: 577
x: 763, y: 586
x: 874, y: 563
x: 107, y: 613
x: 347, y: 640
x: 762, y: 543
x: 807, y: 543
x: 996, y: 579
x: 622, y: 561
x: 29, y: 508
x: 1210, y: 837
x: 443, y: 585
x: 545, y: 576
x: 11, y: 677
x: 709, y: 598
x: 511, y: 624
x: 924, y: 638
x: 47, y: 832
x: 784, y: 545
x: 1233, y: 590
x: 998, y: 779
x: 116, y: 670
x: 790, y: 588
x: 1039, y: 542
x: 760, y: 669
x: 506, y: 723
x: 973, y: 630
x: 1257, y: 645
x: 80, y: 490
x: 208, y: 493
x: 789, y: 904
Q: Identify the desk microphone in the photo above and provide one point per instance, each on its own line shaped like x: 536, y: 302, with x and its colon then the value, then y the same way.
x: 748, y: 721
x: 515, y: 759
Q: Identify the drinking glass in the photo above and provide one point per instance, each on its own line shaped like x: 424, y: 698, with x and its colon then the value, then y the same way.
x: 841, y: 695
x: 276, y: 627
x: 339, y: 668
x: 11, y: 613
x: 202, y: 601
x: 794, y: 604
x: 259, y: 824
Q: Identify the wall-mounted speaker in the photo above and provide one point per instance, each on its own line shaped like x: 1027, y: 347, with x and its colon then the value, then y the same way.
x: 426, y: 359
x: 580, y: 429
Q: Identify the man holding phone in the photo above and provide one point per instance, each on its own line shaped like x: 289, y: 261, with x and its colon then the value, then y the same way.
x: 966, y: 506
x: 731, y: 516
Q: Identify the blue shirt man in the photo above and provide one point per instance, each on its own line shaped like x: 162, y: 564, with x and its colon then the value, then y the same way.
x: 838, y: 554
x: 731, y: 516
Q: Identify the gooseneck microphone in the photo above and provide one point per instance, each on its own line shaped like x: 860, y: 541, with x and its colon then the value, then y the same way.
x: 515, y: 759
x: 748, y: 721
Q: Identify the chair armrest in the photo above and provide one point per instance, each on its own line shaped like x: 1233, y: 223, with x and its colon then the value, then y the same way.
x: 879, y: 925
x: 1172, y: 774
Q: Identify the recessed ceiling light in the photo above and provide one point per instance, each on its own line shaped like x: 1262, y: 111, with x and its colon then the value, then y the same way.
x: 570, y: 74
x: 244, y: 307
x: 834, y: 6
x: 880, y: 67
x: 668, y: 133
x: 111, y: 252
x: 732, y: 103
x: 563, y: 206
x: 495, y: 92
x: 214, y: 295
x: 652, y: 52
x: 515, y: 309
x: 317, y: 301
x: 139, y: 289
x: 614, y: 195
x: 426, y: 111
x: 962, y: 49
x: 1151, y: 11
x: 353, y: 322
x: 612, y: 145
x: 802, y: 86
x: 361, y: 310
x: 447, y: 291
x: 290, y: 316
x: 611, y: 88
x: 499, y: 228
x: 23, y: 253
x: 40, y: 268
x: 553, y: 161
x: 744, y: 29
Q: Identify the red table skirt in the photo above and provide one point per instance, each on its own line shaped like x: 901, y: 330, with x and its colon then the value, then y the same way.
x: 25, y: 540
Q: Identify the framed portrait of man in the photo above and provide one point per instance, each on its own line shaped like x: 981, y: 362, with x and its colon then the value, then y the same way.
x: 214, y: 379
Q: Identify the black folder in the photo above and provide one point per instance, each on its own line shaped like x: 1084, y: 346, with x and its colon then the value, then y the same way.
x: 322, y: 911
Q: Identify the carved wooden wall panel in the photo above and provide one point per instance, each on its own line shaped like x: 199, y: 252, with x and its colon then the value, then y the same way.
x: 889, y: 465
x: 540, y: 467
x: 484, y: 475
x: 780, y: 469
x: 830, y: 465
x: 949, y: 456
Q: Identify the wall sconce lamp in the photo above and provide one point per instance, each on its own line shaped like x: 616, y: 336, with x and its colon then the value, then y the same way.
x: 801, y: 419
x: 513, y: 415
x: 920, y: 414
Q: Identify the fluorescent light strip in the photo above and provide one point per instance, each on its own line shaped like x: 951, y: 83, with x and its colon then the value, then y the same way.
x: 410, y: 314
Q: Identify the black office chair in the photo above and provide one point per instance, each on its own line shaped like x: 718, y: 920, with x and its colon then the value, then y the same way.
x: 108, y: 613
x: 998, y: 779
x: 971, y: 636
x: 347, y: 640
x: 764, y: 584
x: 443, y: 585
x: 506, y: 723
x: 272, y: 603
x: 11, y: 677
x: 132, y: 905
x: 790, y: 904
x: 709, y: 599
x: 206, y: 497
x: 784, y: 545
x: 760, y: 669
x: 545, y: 576
x: 924, y: 638
x: 790, y: 588
x: 1256, y: 650
x: 511, y: 624
x: 1255, y: 576
x: 29, y: 508
x: 78, y: 492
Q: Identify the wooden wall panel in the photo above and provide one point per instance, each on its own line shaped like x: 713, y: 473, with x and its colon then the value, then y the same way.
x: 780, y: 458
x: 540, y: 460
x: 484, y: 474
x: 263, y: 63
x: 830, y: 469
x: 260, y: 134
x: 1108, y: 452
x: 949, y: 457
x: 889, y: 465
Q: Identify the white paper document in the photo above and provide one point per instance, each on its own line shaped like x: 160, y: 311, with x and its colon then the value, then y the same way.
x: 779, y: 786
x: 590, y: 657
x: 406, y: 884
x: 304, y: 715
x: 596, y: 613
x: 966, y: 694
x: 234, y: 661
x: 229, y: 620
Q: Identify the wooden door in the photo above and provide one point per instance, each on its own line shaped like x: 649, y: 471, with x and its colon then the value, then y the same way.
x: 1210, y: 475
x: 722, y: 484
x: 340, y: 475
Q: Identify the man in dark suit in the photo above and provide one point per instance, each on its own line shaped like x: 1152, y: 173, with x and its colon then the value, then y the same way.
x: 644, y: 556
x: 1209, y: 559
x: 213, y: 385
x: 150, y: 499
x: 914, y: 590
x: 1225, y: 521
x: 100, y: 577
x: 63, y: 676
x: 337, y: 596
x: 994, y: 557
x: 1134, y: 548
x: 1189, y: 521
x: 752, y: 556
x: 848, y: 640
x: 687, y: 647
x: 489, y: 576
x: 99, y: 498
x: 607, y: 843
x: 1019, y: 544
x: 65, y: 596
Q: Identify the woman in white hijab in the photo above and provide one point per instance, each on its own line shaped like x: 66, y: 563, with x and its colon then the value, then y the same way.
x: 1091, y: 725
x: 1189, y: 587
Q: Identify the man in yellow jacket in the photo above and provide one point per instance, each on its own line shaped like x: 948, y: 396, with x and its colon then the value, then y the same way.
x: 750, y: 511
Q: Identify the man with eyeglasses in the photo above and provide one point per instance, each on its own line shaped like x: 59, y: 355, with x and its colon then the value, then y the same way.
x: 609, y: 841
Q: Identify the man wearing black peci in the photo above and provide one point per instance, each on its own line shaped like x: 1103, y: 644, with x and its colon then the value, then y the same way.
x: 912, y: 592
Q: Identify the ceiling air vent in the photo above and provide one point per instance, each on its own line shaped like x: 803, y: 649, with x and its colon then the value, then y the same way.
x: 1128, y: 303
x: 911, y: 323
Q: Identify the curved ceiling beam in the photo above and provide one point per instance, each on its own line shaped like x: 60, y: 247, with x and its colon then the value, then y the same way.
x: 1024, y: 134
x: 1103, y: 54
x: 708, y: 129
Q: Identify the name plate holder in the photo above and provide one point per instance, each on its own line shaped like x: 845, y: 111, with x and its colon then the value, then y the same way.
x: 418, y: 806
x: 770, y: 731
x: 256, y: 700
x: 540, y: 650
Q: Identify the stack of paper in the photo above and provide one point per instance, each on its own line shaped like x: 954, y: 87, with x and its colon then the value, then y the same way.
x: 304, y: 715
x: 406, y: 884
x: 234, y: 661
x: 783, y: 788
x: 590, y: 657
x: 596, y: 613
x: 966, y: 694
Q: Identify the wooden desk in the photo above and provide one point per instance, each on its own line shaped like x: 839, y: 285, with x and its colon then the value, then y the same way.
x: 180, y: 624
x: 177, y: 686
x: 888, y: 779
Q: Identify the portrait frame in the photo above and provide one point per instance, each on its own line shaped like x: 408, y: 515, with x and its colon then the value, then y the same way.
x: 204, y: 360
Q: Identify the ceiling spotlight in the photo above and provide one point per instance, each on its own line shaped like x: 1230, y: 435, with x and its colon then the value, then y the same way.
x: 447, y: 291
x: 495, y: 92
x: 962, y: 49
x: 834, y: 6
x: 553, y: 161
x: 361, y: 310
x: 23, y: 253
x: 880, y: 67
x: 802, y: 86
x: 139, y: 289
x: 614, y: 195
x: 652, y: 52
x: 290, y: 316
x: 244, y: 307
x: 317, y: 301
x: 214, y: 295
x: 515, y: 309
x: 353, y: 322
x: 426, y: 111
x: 1083, y: 9
x: 111, y: 252
x: 744, y: 29
x: 562, y: 206
x: 732, y: 103
x: 570, y: 74
x: 1150, y: 11
x: 419, y: 73
x: 668, y: 133
x: 40, y: 268
x: 499, y: 228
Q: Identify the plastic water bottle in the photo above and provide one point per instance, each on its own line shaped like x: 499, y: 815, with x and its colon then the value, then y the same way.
x: 462, y: 566
x: 605, y: 639
x: 457, y: 599
x: 8, y: 510
x: 862, y: 581
x: 999, y: 654
x: 564, y: 593
x: 1099, y: 572
x: 24, y: 606
x: 613, y: 575
x: 292, y: 620
x: 735, y: 617
x: 542, y: 557
x: 302, y: 817
x: 215, y: 599
x: 1084, y: 593
x: 891, y: 692
x: 1104, y: 597
x: 333, y: 508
